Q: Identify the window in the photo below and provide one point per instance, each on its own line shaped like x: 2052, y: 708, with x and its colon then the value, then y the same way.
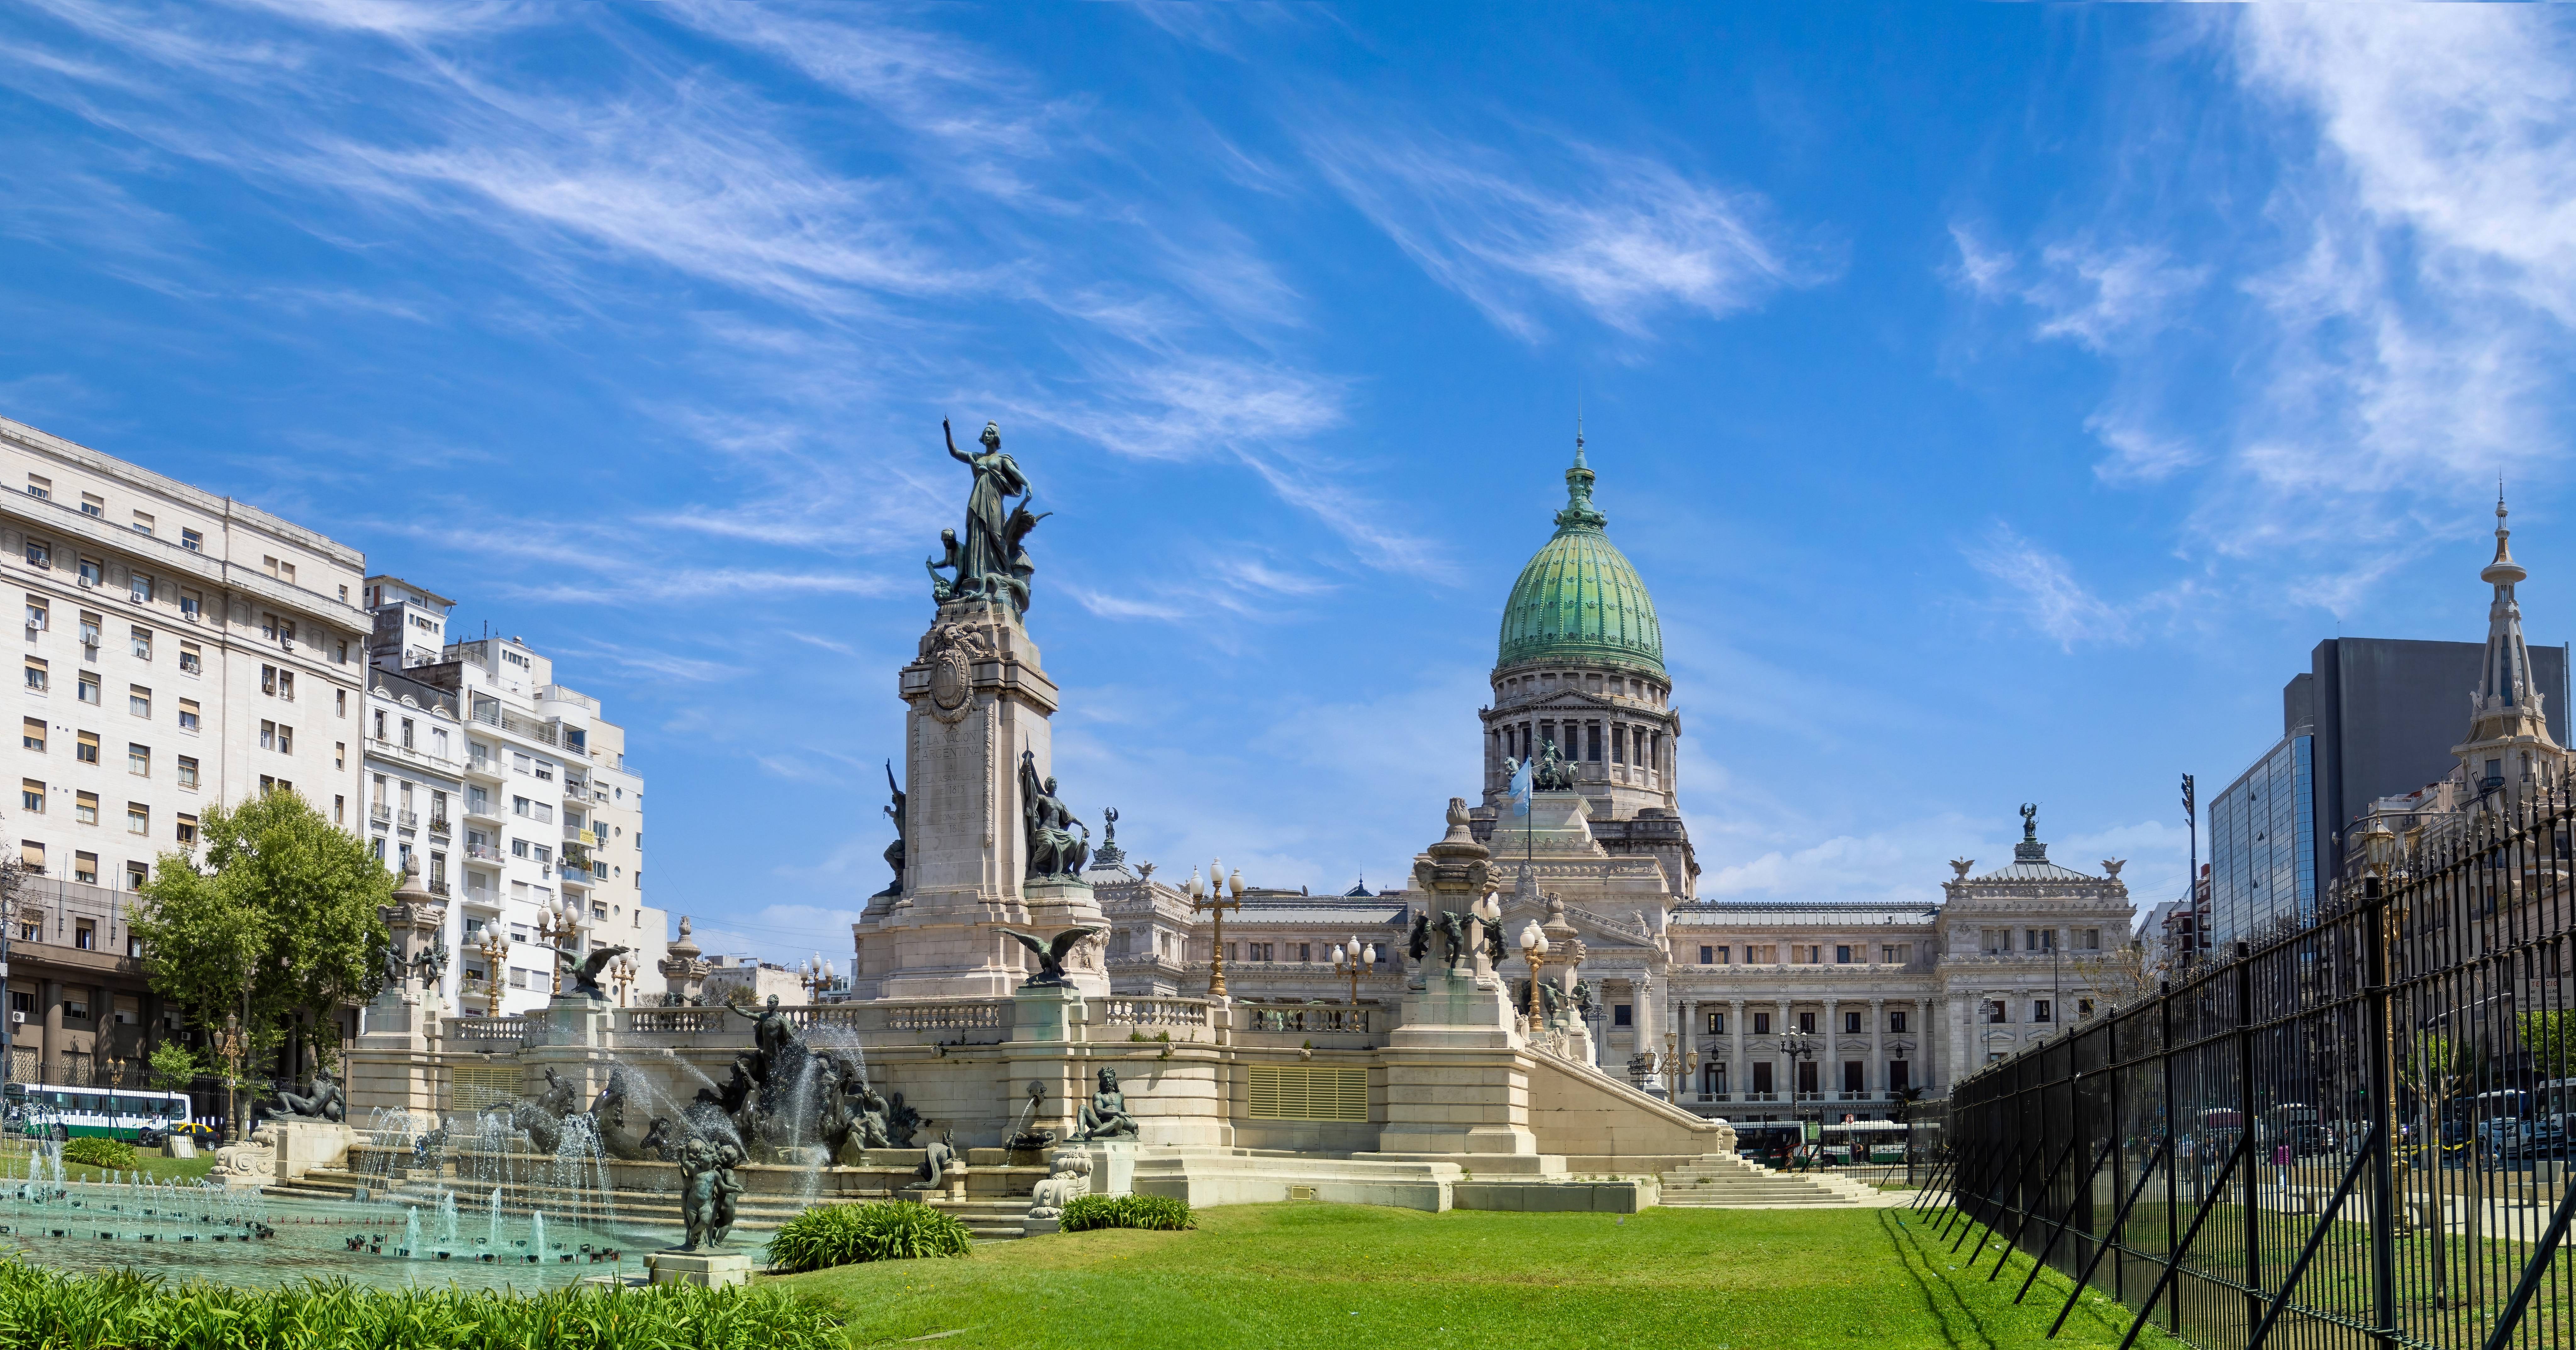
x: 268, y: 680
x: 85, y: 807
x: 138, y: 760
x: 1762, y: 1076
x: 1896, y: 1021
x: 1622, y: 1014
x: 191, y: 605
x: 1995, y: 941
x: 138, y: 700
x: 268, y: 625
x: 438, y: 742
x: 1996, y: 1013
x: 31, y: 796
x: 1851, y: 1024
x: 40, y: 554
x: 519, y: 762
x: 93, y: 504
x: 518, y: 806
x: 518, y: 978
x: 2039, y: 939
x: 407, y: 735
x: 283, y: 571
x: 1717, y: 1024
x: 142, y: 523
x: 2039, y: 1010
x: 85, y: 747
x: 138, y: 818
x: 88, y: 687
x: 1899, y: 1075
x: 85, y: 937
x: 191, y: 660
x: 339, y: 809
x: 545, y: 772
x: 184, y: 829
x: 138, y: 588
x: 339, y: 754
x: 141, y: 640
x: 546, y: 858
x: 192, y: 541
x: 90, y: 571
x: 187, y: 771
x: 2083, y: 1008
x: 42, y: 489
x: 31, y: 734
x: 85, y: 868
x: 267, y: 735
x: 1897, y: 954
x: 1708, y: 956
x: 286, y: 685
x: 2088, y: 939
x: 89, y: 629
x: 188, y: 720
x: 1761, y: 1024
x: 340, y: 702
x: 1843, y: 955
x: 39, y: 618
x: 1807, y: 1024
x: 36, y: 674
x: 1768, y: 954
x: 519, y: 848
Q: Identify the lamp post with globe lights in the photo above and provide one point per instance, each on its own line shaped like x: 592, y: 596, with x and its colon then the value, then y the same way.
x: 1213, y: 896
x: 496, y: 953
x: 1354, y: 960
x: 818, y: 978
x: 1534, y: 945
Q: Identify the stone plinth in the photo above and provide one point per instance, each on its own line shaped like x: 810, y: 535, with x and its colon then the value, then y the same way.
x: 1046, y: 1015
x: 1113, y: 1166
x: 1455, y: 1084
x: 979, y: 701
x: 303, y: 1145
x: 712, y: 1268
x: 1558, y: 824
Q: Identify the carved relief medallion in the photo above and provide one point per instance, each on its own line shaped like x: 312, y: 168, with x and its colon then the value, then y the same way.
x: 954, y: 649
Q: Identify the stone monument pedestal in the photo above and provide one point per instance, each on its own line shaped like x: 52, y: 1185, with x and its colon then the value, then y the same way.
x: 1113, y: 1166
x: 303, y: 1145
x: 1047, y: 1013
x: 1454, y: 1082
x: 709, y: 1268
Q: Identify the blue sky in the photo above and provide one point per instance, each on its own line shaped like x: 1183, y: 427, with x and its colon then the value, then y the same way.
x: 1998, y: 401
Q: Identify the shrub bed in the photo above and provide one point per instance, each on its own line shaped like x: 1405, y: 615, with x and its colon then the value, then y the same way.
x: 885, y: 1230
x: 40, y: 1307
x: 1157, y: 1212
x: 99, y: 1151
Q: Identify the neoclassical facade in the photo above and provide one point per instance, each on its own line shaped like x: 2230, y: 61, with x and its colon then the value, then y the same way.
x: 1764, y: 1013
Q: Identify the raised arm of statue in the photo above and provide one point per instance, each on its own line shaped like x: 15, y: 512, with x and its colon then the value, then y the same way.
x: 953, y: 451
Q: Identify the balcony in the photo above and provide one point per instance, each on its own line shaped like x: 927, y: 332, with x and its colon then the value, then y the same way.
x: 380, y: 813
x: 438, y: 887
x: 481, y: 766
x: 483, y: 853
x: 410, y: 820
x: 578, y: 877
x: 438, y: 826
x: 475, y: 810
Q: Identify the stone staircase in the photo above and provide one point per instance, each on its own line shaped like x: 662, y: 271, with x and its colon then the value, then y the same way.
x: 1725, y: 1181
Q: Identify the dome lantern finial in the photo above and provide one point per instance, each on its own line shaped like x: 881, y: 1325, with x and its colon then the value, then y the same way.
x: 2504, y: 571
x: 1579, y: 512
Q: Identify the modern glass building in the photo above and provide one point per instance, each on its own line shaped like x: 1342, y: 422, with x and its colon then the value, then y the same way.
x: 2263, y: 845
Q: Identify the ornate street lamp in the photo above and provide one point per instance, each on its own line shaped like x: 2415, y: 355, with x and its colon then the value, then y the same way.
x: 817, y: 978
x: 1211, y: 896
x: 1354, y: 960
x: 1680, y: 1065
x: 496, y: 950
x: 1534, y: 945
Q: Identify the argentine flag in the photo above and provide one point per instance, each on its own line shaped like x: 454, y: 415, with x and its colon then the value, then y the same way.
x: 1521, y: 789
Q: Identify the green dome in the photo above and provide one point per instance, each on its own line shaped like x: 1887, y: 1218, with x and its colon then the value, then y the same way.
x: 1579, y: 602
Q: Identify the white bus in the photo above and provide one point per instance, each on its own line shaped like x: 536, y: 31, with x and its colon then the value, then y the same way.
x: 114, y: 1113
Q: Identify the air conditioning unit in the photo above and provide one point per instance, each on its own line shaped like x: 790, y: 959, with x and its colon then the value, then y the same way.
x: 17, y: 1018
x: 85, y: 581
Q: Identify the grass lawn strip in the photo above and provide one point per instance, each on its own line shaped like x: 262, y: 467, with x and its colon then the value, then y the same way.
x: 1308, y: 1275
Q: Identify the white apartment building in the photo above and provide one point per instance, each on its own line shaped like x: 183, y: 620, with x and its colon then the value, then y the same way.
x: 552, y: 818
x: 180, y: 649
x: 758, y: 979
x: 415, y: 742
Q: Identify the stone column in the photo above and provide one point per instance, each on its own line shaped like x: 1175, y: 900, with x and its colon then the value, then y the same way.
x: 1689, y: 1041
x: 1736, y: 1083
x: 1833, y: 1070
x: 1875, y: 1078
x: 1963, y: 1022
x: 51, y: 1047
x: 1926, y: 1048
x: 1788, y: 1090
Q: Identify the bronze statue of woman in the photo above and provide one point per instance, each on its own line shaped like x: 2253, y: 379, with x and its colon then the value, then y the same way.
x: 984, y: 553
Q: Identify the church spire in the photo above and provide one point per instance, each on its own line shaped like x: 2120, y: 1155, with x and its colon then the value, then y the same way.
x: 1579, y: 512
x: 2509, y: 744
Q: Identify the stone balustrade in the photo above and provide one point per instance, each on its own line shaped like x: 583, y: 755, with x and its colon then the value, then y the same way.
x: 477, y: 1032
x: 1154, y: 1012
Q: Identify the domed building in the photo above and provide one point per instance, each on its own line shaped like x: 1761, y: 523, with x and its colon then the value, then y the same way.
x: 1580, y: 666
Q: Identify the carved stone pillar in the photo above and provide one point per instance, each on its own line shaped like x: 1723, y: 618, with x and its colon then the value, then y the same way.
x: 1736, y: 1083
x: 1833, y: 1070
x: 1875, y: 1077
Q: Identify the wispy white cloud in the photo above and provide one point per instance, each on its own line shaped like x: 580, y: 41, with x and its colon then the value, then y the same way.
x: 2103, y: 297
x: 2045, y: 591
x: 1623, y: 236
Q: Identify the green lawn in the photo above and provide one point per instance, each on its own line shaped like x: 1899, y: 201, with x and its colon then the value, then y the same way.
x: 1309, y: 1275
x: 151, y: 1165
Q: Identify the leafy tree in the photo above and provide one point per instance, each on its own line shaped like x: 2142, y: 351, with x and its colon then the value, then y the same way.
x: 285, y: 916
x: 174, y: 1067
x: 2551, y: 1039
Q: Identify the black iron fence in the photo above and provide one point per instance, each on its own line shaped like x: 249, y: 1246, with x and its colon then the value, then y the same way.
x: 2356, y: 1134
